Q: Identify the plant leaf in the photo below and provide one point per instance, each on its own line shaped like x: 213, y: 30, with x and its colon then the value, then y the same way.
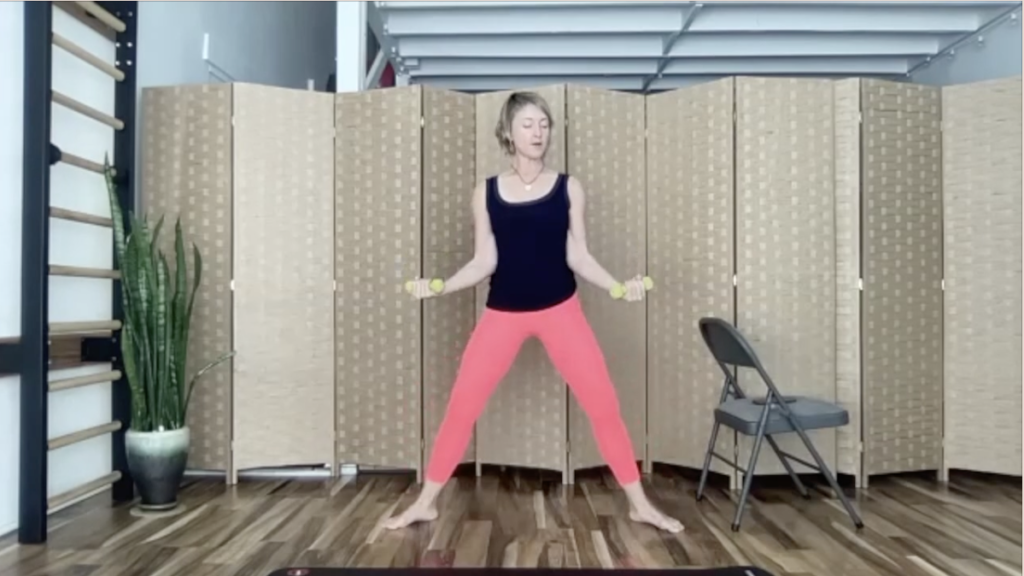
x: 128, y: 353
x: 162, y: 333
x: 115, y: 210
x: 181, y: 323
x: 204, y: 370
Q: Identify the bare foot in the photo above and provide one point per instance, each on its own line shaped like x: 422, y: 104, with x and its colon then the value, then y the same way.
x: 412, y: 515
x: 650, y: 515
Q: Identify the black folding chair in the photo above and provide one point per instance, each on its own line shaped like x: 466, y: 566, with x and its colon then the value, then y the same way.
x: 765, y: 417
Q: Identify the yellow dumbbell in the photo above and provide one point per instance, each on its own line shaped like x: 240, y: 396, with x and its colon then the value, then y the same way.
x: 619, y: 290
x: 436, y: 286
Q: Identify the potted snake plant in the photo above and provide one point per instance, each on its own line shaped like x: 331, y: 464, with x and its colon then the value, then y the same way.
x: 157, y: 301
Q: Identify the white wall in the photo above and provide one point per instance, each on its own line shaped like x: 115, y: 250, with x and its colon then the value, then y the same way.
x: 350, y: 56
x: 998, y: 55
x: 11, y: 65
x: 278, y: 43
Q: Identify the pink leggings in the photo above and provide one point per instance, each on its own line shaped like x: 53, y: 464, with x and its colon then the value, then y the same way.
x: 573, y: 349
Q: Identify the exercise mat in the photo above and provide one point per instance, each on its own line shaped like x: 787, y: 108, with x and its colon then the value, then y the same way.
x: 730, y: 571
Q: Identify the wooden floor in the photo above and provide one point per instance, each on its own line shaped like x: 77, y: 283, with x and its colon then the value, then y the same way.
x: 915, y: 527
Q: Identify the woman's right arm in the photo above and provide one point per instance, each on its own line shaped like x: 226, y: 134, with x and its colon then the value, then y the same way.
x: 485, y: 252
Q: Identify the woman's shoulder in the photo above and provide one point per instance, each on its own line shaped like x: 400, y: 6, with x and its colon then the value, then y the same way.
x: 500, y: 175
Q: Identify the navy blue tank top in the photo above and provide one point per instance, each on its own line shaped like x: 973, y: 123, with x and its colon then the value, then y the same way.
x: 532, y: 272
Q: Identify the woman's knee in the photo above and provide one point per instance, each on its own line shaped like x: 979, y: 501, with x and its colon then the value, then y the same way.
x: 602, y: 404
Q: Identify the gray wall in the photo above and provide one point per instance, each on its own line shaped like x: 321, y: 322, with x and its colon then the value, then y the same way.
x: 277, y: 43
x: 997, y: 56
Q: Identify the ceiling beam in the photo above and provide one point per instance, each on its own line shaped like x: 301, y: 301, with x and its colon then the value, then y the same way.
x: 853, y: 65
x: 568, y: 68
x: 491, y: 83
x: 769, y: 17
x: 649, y: 46
x: 627, y: 83
x: 798, y: 45
x: 532, y: 66
x: 526, y: 19
x: 532, y: 21
x: 487, y: 5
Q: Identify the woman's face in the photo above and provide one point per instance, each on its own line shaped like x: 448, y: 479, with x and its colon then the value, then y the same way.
x: 530, y: 132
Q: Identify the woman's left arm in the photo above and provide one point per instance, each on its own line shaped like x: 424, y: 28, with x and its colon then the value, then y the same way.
x: 580, y: 260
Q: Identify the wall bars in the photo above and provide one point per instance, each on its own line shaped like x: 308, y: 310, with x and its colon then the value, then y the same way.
x: 811, y: 213
x: 45, y: 348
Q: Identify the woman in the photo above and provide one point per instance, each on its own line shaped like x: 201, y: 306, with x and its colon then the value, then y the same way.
x: 531, y: 241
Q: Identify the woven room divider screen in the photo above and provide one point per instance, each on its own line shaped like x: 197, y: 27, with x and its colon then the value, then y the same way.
x: 981, y: 144
x: 809, y: 212
x: 785, y: 267
x: 605, y: 149
x: 690, y: 251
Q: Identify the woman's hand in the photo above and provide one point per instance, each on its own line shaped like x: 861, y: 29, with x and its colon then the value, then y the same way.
x: 635, y: 290
x: 420, y: 289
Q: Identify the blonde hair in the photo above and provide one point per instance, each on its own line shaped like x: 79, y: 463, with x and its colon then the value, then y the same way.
x: 516, y: 102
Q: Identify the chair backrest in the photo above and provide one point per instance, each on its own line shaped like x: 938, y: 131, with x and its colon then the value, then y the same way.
x: 729, y: 347
x: 726, y: 343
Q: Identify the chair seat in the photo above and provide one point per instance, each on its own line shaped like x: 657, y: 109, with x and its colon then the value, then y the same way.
x: 743, y: 414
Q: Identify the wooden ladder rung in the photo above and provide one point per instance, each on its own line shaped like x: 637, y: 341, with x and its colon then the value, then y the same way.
x: 85, y: 110
x: 78, y: 13
x: 80, y: 272
x: 80, y: 381
x: 56, y: 501
x: 71, y: 159
x: 87, y: 57
x: 103, y: 16
x: 59, y: 328
x: 83, y: 217
x: 83, y: 435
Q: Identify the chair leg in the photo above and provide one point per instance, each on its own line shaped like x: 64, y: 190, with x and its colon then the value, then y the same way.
x: 789, y: 468
x: 748, y: 478
x: 707, y: 462
x: 830, y: 478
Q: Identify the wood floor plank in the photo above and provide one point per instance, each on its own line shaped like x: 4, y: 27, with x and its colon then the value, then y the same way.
x: 914, y: 527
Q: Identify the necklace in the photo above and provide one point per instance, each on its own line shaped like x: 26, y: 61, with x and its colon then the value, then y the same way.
x: 528, y: 186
